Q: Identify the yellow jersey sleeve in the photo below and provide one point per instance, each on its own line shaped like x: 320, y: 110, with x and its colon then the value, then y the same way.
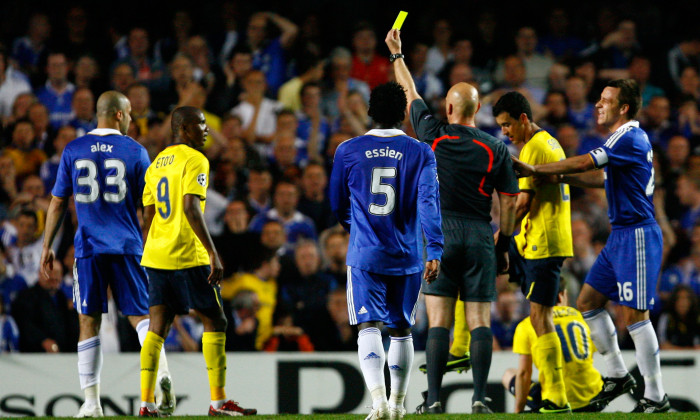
x: 148, y: 198
x: 522, y: 343
x: 196, y: 177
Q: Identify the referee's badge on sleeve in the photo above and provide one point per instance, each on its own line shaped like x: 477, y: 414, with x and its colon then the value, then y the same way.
x: 202, y: 180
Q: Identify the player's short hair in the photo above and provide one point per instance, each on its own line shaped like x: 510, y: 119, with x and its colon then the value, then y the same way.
x: 182, y: 116
x: 629, y: 94
x: 513, y: 103
x: 387, y: 104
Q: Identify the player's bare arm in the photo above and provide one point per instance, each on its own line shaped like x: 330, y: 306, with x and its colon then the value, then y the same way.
x: 590, y: 179
x: 522, y: 205
x: 572, y: 165
x: 148, y: 213
x: 193, y: 212
x: 403, y: 76
x: 57, y: 209
x: 507, y: 226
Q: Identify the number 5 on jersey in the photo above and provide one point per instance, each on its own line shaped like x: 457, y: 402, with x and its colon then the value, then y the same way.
x: 379, y: 187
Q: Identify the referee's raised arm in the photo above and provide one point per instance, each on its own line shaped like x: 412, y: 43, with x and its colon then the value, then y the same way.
x: 403, y: 76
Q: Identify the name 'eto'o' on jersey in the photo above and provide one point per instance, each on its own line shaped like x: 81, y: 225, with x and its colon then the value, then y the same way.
x: 384, y: 191
x: 104, y: 171
x: 171, y: 243
x: 628, y: 158
x: 581, y: 380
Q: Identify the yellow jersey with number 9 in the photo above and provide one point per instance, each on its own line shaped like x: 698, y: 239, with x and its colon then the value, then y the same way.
x: 171, y: 243
x: 581, y: 379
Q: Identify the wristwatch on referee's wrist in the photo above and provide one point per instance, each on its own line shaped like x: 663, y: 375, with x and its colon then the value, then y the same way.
x: 393, y: 57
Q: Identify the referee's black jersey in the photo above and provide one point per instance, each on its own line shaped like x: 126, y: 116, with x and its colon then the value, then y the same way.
x: 470, y: 164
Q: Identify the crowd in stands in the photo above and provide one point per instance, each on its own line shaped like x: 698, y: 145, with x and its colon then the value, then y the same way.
x: 278, y: 100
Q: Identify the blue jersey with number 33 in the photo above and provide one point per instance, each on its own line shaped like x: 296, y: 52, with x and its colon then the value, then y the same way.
x: 104, y: 171
x: 383, y: 190
x: 629, y: 175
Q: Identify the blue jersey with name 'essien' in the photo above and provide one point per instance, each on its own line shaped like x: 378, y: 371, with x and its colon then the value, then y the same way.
x: 104, y: 171
x: 629, y: 176
x: 384, y: 191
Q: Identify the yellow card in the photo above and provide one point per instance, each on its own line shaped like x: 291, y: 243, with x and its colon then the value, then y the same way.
x: 398, y: 23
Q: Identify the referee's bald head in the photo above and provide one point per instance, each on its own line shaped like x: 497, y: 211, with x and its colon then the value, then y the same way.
x: 464, y: 100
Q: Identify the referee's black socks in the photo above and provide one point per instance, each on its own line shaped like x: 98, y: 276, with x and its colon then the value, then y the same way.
x: 481, y: 349
x: 437, y: 349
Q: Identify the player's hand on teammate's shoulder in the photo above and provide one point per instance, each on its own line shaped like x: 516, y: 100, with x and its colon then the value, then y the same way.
x: 393, y: 41
x: 217, y: 270
x: 521, y: 168
x: 432, y: 269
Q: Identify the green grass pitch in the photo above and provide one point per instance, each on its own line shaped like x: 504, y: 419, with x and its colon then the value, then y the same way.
x: 577, y: 416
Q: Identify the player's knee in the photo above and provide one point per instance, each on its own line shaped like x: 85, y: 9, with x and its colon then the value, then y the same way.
x: 399, y: 332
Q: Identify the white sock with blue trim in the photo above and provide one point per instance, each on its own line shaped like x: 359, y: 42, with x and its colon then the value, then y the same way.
x: 400, y: 359
x: 647, y: 354
x: 90, y: 368
x: 141, y: 331
x: 370, y: 350
x: 604, y: 337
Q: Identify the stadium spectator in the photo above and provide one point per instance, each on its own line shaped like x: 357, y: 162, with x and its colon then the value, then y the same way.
x: 580, y: 110
x: 427, y: 84
x: 353, y: 109
x: 462, y: 53
x: 77, y: 41
x: 332, y: 331
x: 515, y: 78
x: 141, y: 111
x: 314, y: 202
x: 205, y: 70
x: 505, y: 319
x: 185, y: 335
x: 26, y: 157
x: 584, y: 252
x: 688, y: 192
x: 286, y: 200
x: 685, y: 273
x: 259, y: 277
x: 57, y: 93
x: 45, y: 316
x: 236, y: 244
x: 334, y: 242
x: 259, y: 200
x: 314, y: 128
x: 19, y: 108
x: 269, y: 55
x: 274, y: 237
x: 8, y: 184
x: 679, y: 325
x: 657, y: 123
x: 83, y: 107
x: 556, y: 111
x: 257, y: 112
x: 38, y: 115
x: 441, y: 51
x: 683, y: 55
x: 9, y: 332
x: 367, y: 65
x: 11, y: 85
x: 148, y: 70
x: 86, y: 74
x: 242, y: 316
x: 537, y: 65
x: 180, y: 31
x: 29, y: 50
x: 689, y: 118
x: 286, y: 336
x: 689, y: 84
x: 122, y: 76
x: 341, y: 83
x: 559, y: 42
x: 640, y: 70
x: 228, y: 92
x: 290, y: 93
x: 614, y: 52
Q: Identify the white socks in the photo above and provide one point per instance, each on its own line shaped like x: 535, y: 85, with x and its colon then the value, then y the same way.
x: 605, y: 339
x: 647, y: 354
x: 400, y: 359
x: 371, y: 353
x: 90, y: 368
x: 142, y: 330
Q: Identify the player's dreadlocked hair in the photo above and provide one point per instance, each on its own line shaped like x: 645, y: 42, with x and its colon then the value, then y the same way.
x: 514, y: 104
x: 387, y: 104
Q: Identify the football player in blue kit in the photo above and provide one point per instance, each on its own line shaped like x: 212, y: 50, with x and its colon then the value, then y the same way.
x: 384, y: 191
x: 627, y: 269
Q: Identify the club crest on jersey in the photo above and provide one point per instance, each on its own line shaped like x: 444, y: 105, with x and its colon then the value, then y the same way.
x: 202, y: 180
x: 99, y: 147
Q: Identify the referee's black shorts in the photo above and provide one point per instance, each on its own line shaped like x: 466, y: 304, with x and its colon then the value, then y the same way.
x: 182, y: 290
x: 468, y: 267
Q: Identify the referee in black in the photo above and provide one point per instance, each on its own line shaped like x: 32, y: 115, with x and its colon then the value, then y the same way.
x: 471, y: 164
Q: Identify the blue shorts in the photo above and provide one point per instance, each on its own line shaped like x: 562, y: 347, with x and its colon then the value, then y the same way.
x: 122, y: 273
x: 378, y: 297
x: 627, y: 269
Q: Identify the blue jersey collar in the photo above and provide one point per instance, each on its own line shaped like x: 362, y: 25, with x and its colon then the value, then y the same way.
x: 389, y: 132
x: 630, y: 123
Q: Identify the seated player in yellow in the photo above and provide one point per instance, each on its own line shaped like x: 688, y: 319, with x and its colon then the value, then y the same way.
x: 581, y: 380
x: 184, y: 270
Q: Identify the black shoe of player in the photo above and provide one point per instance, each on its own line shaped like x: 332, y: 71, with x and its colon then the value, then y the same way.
x: 647, y: 406
x: 548, y: 407
x: 613, y: 388
x: 435, y: 408
x: 454, y: 364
